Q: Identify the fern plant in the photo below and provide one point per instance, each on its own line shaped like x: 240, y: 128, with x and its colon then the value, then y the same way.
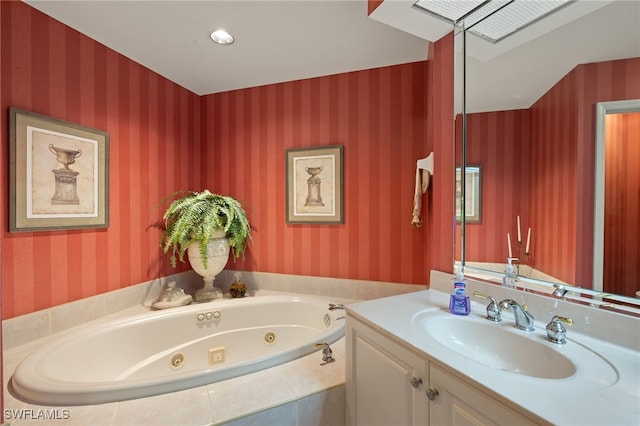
x: 194, y: 216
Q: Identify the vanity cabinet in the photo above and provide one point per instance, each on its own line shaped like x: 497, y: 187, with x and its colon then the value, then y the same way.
x: 385, y: 382
x: 459, y: 403
x: 389, y: 384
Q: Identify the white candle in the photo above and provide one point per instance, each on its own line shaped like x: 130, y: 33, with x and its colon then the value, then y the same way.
x: 519, y: 235
x: 528, y: 241
x: 509, y: 244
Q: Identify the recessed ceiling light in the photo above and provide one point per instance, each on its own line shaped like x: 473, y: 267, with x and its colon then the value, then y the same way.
x: 221, y: 37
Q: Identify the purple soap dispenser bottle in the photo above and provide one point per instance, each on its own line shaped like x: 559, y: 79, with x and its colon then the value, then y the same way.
x: 459, y: 303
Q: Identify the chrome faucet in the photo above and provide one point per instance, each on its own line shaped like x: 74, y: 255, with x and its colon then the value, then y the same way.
x: 556, y: 332
x: 524, y: 320
x: 327, y: 353
x: 334, y: 306
x: 493, y: 312
x: 560, y: 290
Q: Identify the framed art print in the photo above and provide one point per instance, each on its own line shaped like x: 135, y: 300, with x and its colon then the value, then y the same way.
x: 315, y: 185
x: 473, y: 199
x: 59, y: 174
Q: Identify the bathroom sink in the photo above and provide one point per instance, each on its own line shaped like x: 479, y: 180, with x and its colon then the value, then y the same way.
x: 500, y: 346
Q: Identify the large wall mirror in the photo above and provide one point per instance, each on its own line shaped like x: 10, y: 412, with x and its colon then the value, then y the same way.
x: 561, y: 203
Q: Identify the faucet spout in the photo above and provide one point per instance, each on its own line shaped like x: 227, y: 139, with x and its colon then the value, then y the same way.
x: 327, y: 353
x: 524, y: 320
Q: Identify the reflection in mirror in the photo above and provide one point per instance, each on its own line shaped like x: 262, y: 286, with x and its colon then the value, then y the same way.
x: 473, y: 197
x: 529, y: 120
x: 617, y: 194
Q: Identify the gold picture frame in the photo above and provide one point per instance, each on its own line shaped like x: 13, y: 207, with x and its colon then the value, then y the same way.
x: 473, y: 194
x: 315, y: 185
x: 59, y: 174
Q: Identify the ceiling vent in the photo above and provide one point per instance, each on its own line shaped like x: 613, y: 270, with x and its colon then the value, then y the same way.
x: 493, y: 20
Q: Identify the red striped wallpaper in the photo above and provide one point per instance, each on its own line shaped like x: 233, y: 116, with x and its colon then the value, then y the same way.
x: 51, y: 69
x: 549, y: 178
x: 379, y: 116
x: 165, y: 138
x: 372, y: 5
x: 440, y: 217
x: 598, y: 82
x: 497, y: 142
x: 553, y: 153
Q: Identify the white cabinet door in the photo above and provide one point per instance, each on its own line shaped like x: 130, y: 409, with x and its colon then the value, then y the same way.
x: 460, y: 404
x: 385, y: 382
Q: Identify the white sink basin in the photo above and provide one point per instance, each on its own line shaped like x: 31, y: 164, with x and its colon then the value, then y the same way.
x: 489, y: 344
x: 501, y: 346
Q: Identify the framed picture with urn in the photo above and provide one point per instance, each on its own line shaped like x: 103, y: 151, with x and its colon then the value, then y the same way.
x: 59, y: 174
x: 473, y: 199
x: 315, y: 185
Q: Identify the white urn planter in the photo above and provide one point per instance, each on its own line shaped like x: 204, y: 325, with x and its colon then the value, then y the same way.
x: 217, y: 257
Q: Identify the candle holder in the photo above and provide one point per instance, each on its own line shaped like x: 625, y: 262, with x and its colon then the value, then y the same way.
x: 519, y: 259
x: 522, y: 258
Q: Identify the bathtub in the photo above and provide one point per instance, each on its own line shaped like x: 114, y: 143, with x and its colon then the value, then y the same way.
x: 175, y: 349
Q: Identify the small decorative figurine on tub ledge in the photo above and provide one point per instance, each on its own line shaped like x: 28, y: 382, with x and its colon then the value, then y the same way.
x: 170, y: 297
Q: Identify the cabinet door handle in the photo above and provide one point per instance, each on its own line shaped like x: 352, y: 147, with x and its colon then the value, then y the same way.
x: 432, y: 394
x: 415, y: 382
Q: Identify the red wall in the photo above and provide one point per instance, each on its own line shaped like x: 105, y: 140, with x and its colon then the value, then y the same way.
x: 440, y: 218
x: 373, y: 5
x: 573, y: 135
x: 380, y: 117
x: 51, y: 69
x: 598, y: 82
x: 553, y: 154
x: 498, y: 143
x: 165, y: 138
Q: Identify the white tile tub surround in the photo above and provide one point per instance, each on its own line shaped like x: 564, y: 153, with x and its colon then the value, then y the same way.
x: 37, y: 325
x: 300, y: 392
x: 320, y: 286
x: 26, y: 328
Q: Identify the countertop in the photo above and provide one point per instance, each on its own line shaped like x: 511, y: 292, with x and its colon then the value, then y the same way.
x: 577, y: 400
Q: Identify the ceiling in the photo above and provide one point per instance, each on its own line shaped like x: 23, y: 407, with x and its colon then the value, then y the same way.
x: 515, y: 73
x: 276, y: 41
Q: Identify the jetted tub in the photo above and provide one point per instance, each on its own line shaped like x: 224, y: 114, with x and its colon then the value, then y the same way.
x: 176, y: 349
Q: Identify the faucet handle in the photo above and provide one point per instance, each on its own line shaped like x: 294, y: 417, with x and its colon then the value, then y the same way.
x: 493, y: 312
x: 556, y: 332
x: 559, y: 290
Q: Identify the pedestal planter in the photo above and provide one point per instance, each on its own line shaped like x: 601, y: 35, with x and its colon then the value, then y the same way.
x: 217, y: 257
